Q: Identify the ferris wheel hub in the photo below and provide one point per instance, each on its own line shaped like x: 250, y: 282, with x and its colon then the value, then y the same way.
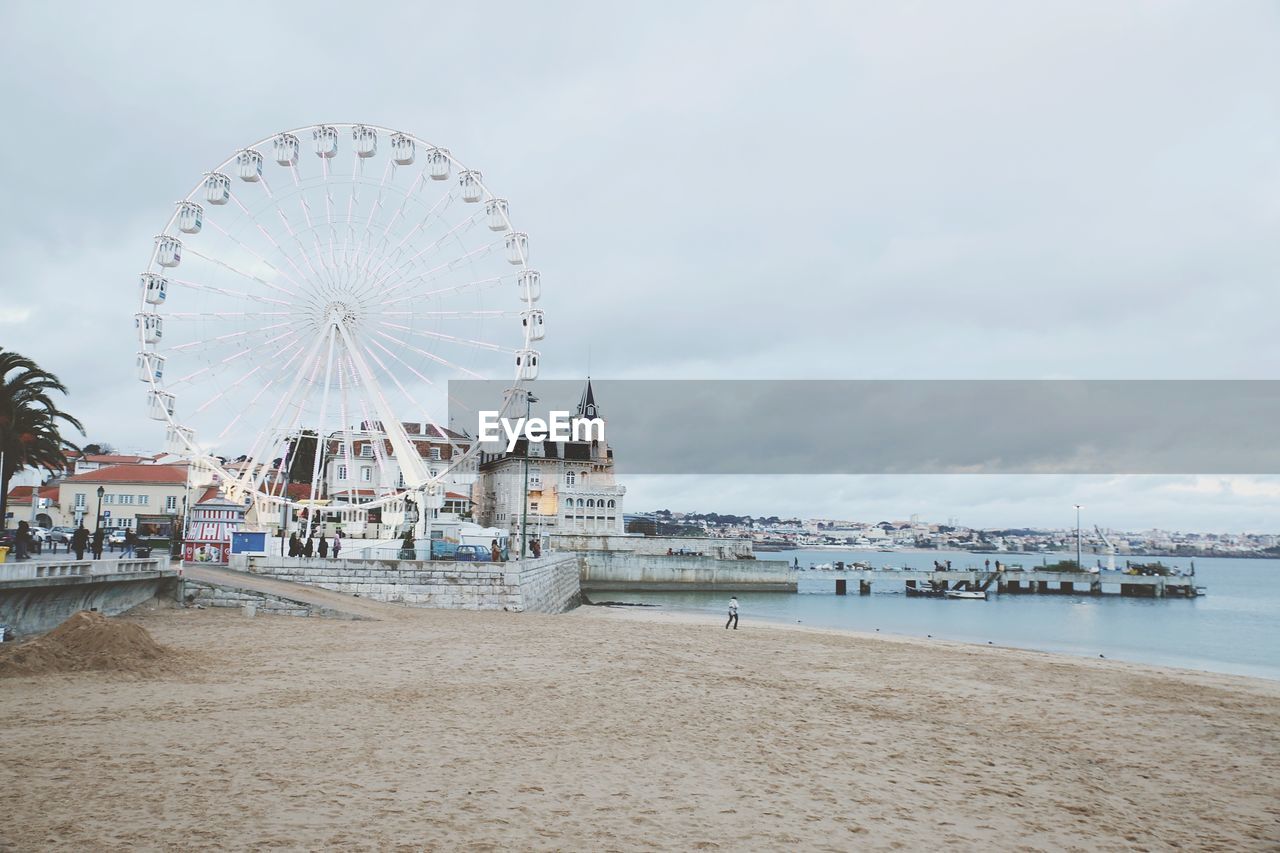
x: 341, y: 314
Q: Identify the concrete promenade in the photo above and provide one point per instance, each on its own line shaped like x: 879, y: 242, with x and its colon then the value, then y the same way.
x: 37, y: 595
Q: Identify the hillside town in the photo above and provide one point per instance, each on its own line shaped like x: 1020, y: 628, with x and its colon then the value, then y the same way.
x: 776, y: 534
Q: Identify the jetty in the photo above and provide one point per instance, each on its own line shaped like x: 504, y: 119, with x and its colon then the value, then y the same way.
x: 1006, y: 580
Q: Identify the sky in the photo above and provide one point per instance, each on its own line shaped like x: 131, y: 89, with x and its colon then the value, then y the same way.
x: 721, y: 191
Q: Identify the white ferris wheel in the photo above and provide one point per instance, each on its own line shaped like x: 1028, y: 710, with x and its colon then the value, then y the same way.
x: 330, y: 281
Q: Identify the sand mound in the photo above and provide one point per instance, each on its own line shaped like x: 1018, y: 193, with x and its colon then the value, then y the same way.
x: 85, y: 641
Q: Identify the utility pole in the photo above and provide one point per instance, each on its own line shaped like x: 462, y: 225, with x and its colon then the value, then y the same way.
x: 529, y: 400
x: 1078, y: 566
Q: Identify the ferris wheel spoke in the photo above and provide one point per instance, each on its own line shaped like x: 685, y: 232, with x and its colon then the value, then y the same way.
x: 398, y: 384
x: 254, y: 252
x: 443, y: 362
x: 453, y: 315
x: 496, y: 281
x: 460, y: 228
x: 238, y: 354
x: 375, y: 441
x: 222, y: 291
x: 445, y: 268
x: 264, y: 440
x: 244, y: 274
x: 453, y: 339
x: 222, y: 315
x: 436, y: 212
x: 220, y: 339
x: 224, y: 392
x: 321, y: 434
x: 315, y: 274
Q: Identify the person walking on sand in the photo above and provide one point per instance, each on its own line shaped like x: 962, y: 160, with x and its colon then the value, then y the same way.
x: 80, y: 541
x: 98, y: 536
x: 733, y: 614
x: 323, y: 547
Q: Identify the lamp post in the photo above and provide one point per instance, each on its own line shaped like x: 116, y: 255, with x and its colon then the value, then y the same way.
x: 529, y: 400
x: 1078, y: 566
x: 97, y: 525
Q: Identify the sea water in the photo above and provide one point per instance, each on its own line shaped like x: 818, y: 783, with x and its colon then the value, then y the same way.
x: 1234, y: 628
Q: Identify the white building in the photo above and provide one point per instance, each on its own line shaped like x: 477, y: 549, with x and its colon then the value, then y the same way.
x: 361, y: 465
x: 571, y: 484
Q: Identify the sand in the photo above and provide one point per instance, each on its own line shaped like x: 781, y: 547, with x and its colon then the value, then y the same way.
x: 87, y: 641
x: 619, y: 729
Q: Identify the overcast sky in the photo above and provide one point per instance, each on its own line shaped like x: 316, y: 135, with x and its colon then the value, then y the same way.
x: 843, y: 190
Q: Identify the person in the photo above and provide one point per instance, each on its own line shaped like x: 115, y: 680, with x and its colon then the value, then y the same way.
x: 295, y: 547
x: 407, y: 546
x: 536, y: 547
x: 494, y: 553
x: 22, y: 541
x: 669, y: 554
x: 733, y: 614
x: 324, y: 547
x: 130, y: 542
x: 309, y: 549
x: 80, y: 541
x: 98, y: 536
x: 337, y: 543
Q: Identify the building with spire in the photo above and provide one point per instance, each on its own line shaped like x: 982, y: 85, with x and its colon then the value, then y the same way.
x: 571, y: 486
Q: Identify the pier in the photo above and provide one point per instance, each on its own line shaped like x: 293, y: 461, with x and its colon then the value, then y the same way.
x: 1006, y: 581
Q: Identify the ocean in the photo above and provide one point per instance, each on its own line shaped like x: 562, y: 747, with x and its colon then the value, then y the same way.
x: 1234, y: 629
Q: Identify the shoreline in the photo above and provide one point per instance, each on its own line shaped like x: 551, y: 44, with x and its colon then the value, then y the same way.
x: 667, y: 614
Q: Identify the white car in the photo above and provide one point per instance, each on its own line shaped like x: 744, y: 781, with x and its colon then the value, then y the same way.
x: 40, y: 534
x: 116, y: 537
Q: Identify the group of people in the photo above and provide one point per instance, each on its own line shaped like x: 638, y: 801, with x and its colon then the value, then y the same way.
x: 25, y: 543
x: 310, y: 548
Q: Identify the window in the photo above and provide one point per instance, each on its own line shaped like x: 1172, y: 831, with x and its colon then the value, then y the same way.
x: 435, y: 454
x: 366, y: 474
x: 108, y: 499
x: 611, y: 505
x: 591, y: 504
x: 401, y: 481
x: 79, y: 500
x: 570, y: 478
x: 367, y: 451
x: 144, y: 499
x: 126, y: 499
x: 171, y: 503
x: 342, y: 472
x: 533, y: 507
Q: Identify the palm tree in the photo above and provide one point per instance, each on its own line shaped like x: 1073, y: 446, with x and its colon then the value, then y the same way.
x: 29, y: 420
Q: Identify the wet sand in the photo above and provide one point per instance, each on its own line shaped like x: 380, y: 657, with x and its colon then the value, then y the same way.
x: 622, y: 729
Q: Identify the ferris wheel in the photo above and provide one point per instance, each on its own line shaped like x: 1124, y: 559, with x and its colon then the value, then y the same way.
x: 329, y: 281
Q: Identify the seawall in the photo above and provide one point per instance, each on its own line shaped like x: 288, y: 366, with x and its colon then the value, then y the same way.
x: 548, y: 584
x: 604, y: 571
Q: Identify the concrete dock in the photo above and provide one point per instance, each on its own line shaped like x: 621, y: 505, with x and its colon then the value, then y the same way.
x: 860, y: 581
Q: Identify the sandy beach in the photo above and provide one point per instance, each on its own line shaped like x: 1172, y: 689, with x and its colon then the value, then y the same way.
x: 623, y: 729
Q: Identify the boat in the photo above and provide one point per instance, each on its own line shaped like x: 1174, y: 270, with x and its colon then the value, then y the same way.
x: 925, y: 592
x: 967, y: 593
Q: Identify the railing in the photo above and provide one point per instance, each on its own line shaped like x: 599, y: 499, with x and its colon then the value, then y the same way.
x: 13, y: 571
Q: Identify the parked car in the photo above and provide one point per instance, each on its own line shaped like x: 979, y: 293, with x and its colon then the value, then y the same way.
x: 116, y: 537
x: 7, y: 538
x: 441, y: 550
x: 40, y: 534
x: 472, y: 554
x: 62, y: 534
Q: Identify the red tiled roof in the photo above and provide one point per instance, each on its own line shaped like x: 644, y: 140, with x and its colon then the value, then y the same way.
x: 209, y: 494
x: 158, y: 475
x: 22, y: 494
x: 114, y: 458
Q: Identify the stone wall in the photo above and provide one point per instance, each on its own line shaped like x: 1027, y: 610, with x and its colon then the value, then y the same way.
x: 722, y: 549
x: 545, y: 585
x: 612, y: 570
x: 217, y: 595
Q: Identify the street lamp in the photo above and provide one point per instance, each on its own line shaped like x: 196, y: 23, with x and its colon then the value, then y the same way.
x: 98, y: 524
x: 529, y: 400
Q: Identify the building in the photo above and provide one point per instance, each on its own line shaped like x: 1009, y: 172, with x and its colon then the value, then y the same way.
x: 208, y: 535
x: 571, y: 486
x: 46, y: 513
x: 94, y: 461
x: 361, y: 465
x: 128, y: 491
